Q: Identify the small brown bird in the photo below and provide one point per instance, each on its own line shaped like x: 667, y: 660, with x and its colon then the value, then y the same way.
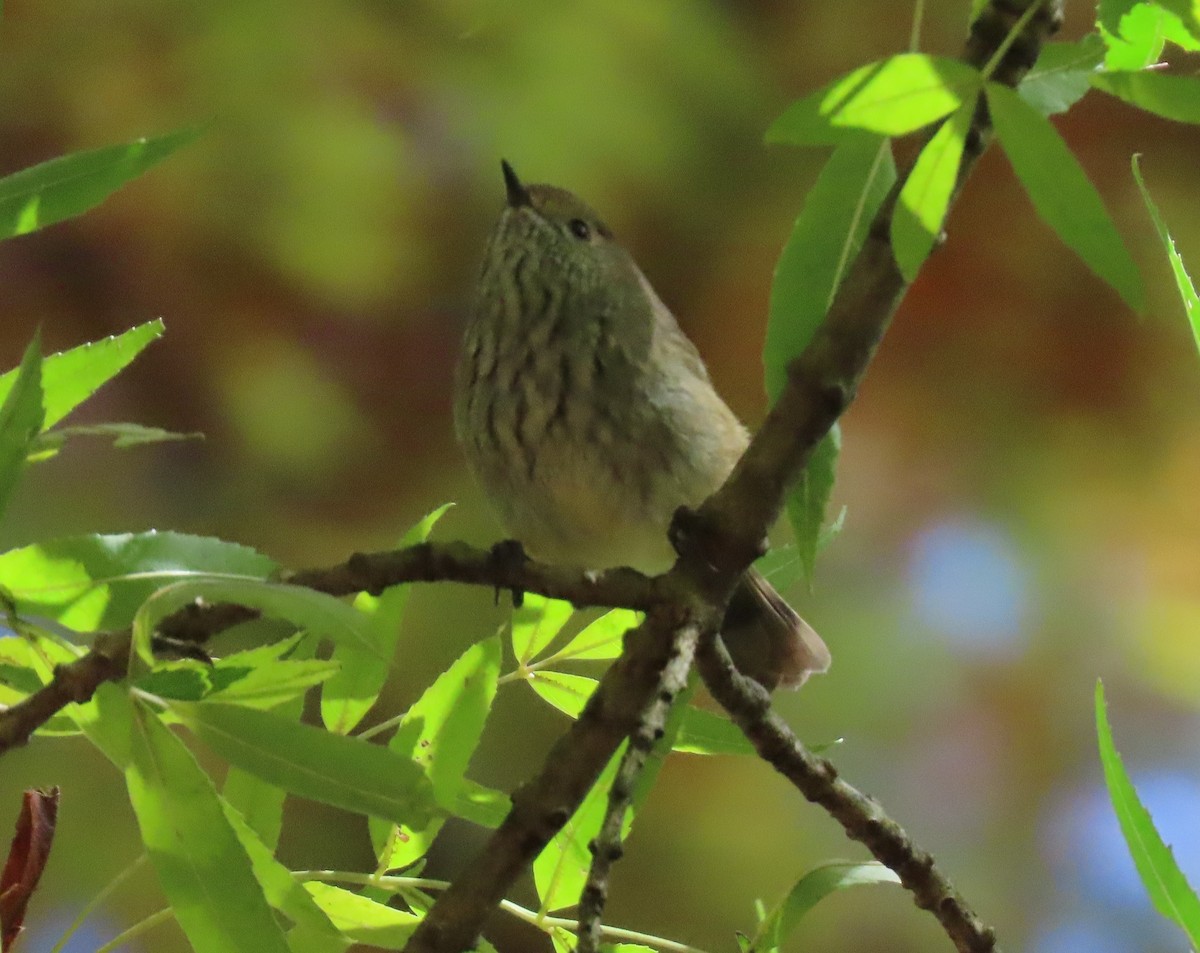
x: 588, y: 417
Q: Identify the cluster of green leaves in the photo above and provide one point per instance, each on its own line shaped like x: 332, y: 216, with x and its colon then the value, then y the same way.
x: 860, y: 113
x: 213, y: 845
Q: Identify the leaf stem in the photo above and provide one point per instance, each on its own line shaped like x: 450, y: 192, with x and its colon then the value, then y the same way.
x: 541, y: 921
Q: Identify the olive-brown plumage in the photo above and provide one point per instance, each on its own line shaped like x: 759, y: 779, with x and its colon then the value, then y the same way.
x: 588, y: 417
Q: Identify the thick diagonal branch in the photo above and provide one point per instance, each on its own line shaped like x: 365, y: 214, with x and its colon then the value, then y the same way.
x: 541, y: 807
x: 825, y: 377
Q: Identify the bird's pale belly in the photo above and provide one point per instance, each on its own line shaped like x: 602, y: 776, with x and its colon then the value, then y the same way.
x: 584, y: 506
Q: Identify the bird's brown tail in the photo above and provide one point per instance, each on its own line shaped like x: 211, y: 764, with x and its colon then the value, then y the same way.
x: 767, y: 639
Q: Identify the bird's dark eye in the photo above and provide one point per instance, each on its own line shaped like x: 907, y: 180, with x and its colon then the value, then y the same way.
x: 580, y: 229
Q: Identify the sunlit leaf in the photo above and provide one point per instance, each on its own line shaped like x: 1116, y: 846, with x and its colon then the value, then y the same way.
x: 1135, y: 33
x: 1169, y: 890
x: 70, y: 377
x: 257, y: 801
x: 925, y: 197
x: 70, y: 185
x: 560, y: 870
x: 602, y: 639
x: 280, y: 889
x: 201, y: 865
x: 348, y: 696
x: 440, y: 732
x: 1061, y: 192
x: 891, y: 97
x: 1183, y: 281
x: 305, y: 608
x: 536, y: 623
x: 566, y: 692
x: 363, y: 919
x: 345, y: 772
x: 98, y: 581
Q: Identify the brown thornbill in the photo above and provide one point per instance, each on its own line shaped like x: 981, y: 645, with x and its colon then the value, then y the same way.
x: 588, y: 417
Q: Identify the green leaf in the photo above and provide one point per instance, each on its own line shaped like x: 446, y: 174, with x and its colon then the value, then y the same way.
x: 305, y: 608
x: 1110, y: 12
x: 781, y: 566
x: 830, y: 230
x: 70, y: 185
x: 891, y: 97
x: 568, y: 693
x: 71, y: 377
x: 363, y: 919
x: 258, y: 802
x: 602, y: 639
x: 107, y: 720
x: 705, y: 732
x: 560, y: 870
x: 201, y: 865
x: 280, y: 889
x: 99, y: 582
x: 808, y: 501
x: 1062, y: 75
x: 536, y: 623
x: 123, y: 435
x: 348, y: 697
x: 27, y: 663
x: 1164, y: 881
x: 925, y: 197
x: 1172, y: 97
x: 345, y: 772
x: 824, y: 240
x: 1183, y: 281
x: 481, y: 805
x: 1135, y: 33
x: 809, y: 890
x: 266, y: 686
x: 21, y: 419
x: 440, y: 733
x: 1061, y: 192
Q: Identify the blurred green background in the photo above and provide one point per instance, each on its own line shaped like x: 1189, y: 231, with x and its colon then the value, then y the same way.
x: 1020, y: 469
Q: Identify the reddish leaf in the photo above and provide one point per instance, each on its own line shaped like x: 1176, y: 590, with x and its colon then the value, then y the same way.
x: 26, y: 860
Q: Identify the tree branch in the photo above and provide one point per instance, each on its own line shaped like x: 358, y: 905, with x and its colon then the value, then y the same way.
x: 606, y: 847
x: 194, y: 624
x: 664, y: 642
x: 863, y: 819
x: 731, y: 524
x: 821, y: 383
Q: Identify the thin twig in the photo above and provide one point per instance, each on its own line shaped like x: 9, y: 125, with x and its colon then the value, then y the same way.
x: 862, y: 818
x: 606, y: 847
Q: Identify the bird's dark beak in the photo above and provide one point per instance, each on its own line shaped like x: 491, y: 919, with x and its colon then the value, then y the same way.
x: 518, y: 195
